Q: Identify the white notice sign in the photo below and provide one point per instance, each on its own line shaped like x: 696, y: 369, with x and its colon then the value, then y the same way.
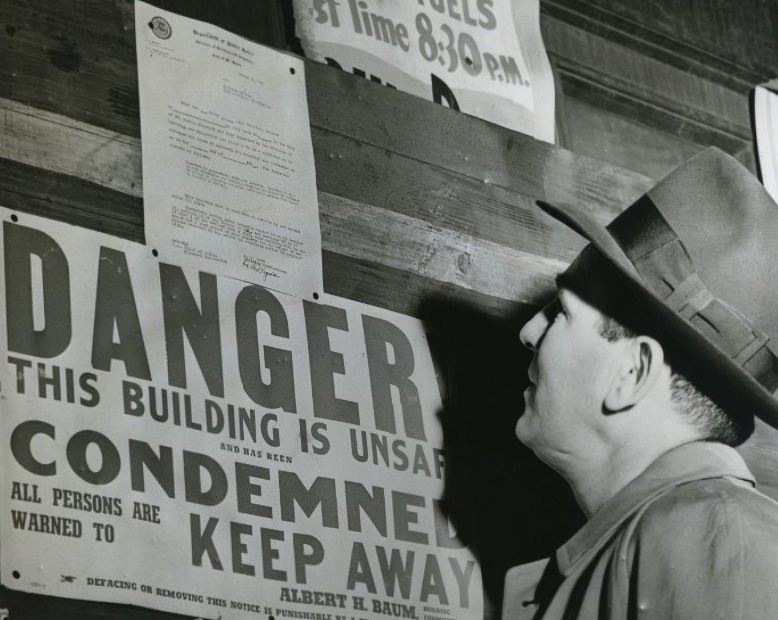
x: 766, y: 120
x: 205, y: 446
x: 483, y: 57
x: 228, y: 172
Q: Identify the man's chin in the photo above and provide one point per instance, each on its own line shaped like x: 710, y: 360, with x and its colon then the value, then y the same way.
x: 522, y: 429
x: 532, y: 438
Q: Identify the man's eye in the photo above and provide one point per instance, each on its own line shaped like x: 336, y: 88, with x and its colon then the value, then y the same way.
x: 554, y: 309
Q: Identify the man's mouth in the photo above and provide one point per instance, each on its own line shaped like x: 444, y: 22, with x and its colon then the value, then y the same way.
x: 532, y: 373
x: 529, y: 398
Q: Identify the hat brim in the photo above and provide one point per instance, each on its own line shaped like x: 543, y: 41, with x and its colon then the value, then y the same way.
x: 717, y: 375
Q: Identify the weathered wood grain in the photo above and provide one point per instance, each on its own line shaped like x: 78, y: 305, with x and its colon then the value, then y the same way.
x: 70, y: 199
x: 356, y: 171
x: 400, y: 123
x: 682, y: 71
x: 704, y: 38
x: 726, y: 45
x: 401, y: 242
x: 72, y: 58
x: 407, y: 239
x: 349, y: 228
x: 660, y: 117
x: 616, y: 67
x: 60, y: 168
x: 600, y: 133
x: 734, y: 39
x: 60, y: 144
x: 346, y: 167
x: 404, y: 292
x: 374, y: 176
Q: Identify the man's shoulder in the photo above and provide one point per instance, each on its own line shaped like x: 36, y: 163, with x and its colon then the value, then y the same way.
x: 704, y: 548
x: 718, y: 492
x: 718, y: 507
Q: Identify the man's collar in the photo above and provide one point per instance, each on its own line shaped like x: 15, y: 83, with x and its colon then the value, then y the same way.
x: 692, y: 461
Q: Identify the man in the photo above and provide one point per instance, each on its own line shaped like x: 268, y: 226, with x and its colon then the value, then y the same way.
x: 648, y: 367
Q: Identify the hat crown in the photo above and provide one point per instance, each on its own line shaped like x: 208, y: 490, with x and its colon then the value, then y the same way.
x: 728, y: 224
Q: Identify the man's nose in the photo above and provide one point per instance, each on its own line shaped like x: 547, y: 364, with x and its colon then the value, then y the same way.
x: 532, y: 332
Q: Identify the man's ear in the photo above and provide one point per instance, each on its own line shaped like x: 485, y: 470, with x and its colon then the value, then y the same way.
x: 640, y: 367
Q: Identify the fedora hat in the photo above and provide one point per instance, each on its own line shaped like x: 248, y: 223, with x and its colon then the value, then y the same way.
x: 698, y: 254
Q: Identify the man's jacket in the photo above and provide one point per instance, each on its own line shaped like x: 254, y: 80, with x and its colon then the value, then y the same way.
x: 688, y: 538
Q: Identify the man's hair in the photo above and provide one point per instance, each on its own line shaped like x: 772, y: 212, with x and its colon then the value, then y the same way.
x: 698, y: 409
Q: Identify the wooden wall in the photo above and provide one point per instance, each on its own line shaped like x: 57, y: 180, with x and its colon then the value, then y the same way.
x: 647, y: 84
x: 423, y: 210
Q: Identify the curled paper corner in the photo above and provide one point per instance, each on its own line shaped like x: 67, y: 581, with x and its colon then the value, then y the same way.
x: 770, y: 84
x: 304, y: 29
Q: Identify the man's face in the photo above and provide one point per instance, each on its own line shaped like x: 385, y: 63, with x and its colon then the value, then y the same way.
x: 572, y: 368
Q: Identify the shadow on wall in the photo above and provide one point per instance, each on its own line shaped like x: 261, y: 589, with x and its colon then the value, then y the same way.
x: 506, y: 505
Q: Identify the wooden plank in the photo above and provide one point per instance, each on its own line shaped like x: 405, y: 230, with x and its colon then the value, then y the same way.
x: 374, y: 176
x: 401, y: 242
x: 646, y: 29
x: 621, y: 69
x: 72, y: 58
x: 61, y: 144
x: 637, y: 75
x: 358, y: 172
x: 355, y: 171
x: 606, y: 135
x: 401, y: 123
x: 349, y: 228
x: 393, y: 238
x: 404, y: 292
x: 582, y: 85
x: 350, y: 271
x: 70, y: 199
x: 737, y: 38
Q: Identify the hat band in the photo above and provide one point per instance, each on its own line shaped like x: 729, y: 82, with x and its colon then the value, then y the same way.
x: 664, y: 264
